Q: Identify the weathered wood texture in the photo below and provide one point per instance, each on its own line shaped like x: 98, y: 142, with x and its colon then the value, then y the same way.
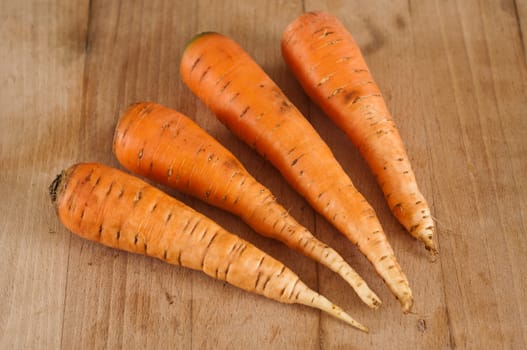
x: 454, y: 76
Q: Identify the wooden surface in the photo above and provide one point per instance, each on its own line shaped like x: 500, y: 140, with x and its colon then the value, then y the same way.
x: 454, y: 76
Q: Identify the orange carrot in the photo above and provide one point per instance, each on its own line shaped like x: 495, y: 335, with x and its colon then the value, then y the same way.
x: 330, y: 67
x: 169, y: 148
x: 251, y: 105
x: 108, y: 206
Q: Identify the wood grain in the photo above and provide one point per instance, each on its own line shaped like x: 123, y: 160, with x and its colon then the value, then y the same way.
x: 454, y: 76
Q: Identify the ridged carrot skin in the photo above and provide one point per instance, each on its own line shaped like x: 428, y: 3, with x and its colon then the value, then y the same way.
x: 253, y: 107
x: 330, y: 67
x: 169, y: 148
x: 108, y: 206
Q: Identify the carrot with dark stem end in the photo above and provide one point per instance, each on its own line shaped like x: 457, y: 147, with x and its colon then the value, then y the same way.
x: 253, y: 107
x: 108, y: 206
x: 330, y: 67
x: 169, y: 148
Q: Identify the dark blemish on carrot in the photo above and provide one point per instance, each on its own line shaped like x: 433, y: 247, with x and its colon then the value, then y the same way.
x: 294, y: 287
x: 179, y: 258
x: 227, y: 270
x: 243, y: 247
x: 118, y: 235
x: 203, y: 234
x: 204, y: 73
x: 400, y: 159
x: 82, y: 213
x: 244, y: 111
x: 296, y: 160
x: 281, y: 271
x: 225, y: 86
x: 153, y: 208
x: 212, y: 240
x: 257, y: 279
x: 207, y: 194
x: 169, y: 216
x: 282, y: 292
x: 136, y: 238
x: 145, y: 110
x: 261, y: 85
x: 265, y: 283
x: 99, y: 233
x: 145, y: 246
x: 138, y: 197
x: 334, y: 92
x: 88, y: 177
x: 109, y: 189
x: 284, y: 106
x: 348, y: 96
x: 234, y: 97
x: 165, y: 254
x: 195, y: 63
x: 194, y: 228
x: 383, y: 257
x: 260, y: 262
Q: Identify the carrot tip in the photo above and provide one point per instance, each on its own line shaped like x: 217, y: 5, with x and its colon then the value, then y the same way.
x: 407, y: 304
x: 430, y: 246
x: 313, y: 299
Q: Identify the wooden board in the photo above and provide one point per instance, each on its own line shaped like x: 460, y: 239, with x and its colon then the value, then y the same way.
x: 453, y: 74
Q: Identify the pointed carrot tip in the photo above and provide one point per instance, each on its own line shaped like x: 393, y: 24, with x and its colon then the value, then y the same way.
x: 434, y: 253
x: 407, y: 304
x: 375, y: 303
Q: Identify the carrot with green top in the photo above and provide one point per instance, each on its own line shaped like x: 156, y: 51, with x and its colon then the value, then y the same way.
x: 252, y: 106
x: 168, y: 147
x: 108, y: 206
x: 330, y: 67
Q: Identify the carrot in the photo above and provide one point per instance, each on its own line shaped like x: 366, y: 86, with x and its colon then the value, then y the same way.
x: 252, y: 106
x: 330, y: 67
x: 169, y: 148
x: 108, y: 206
